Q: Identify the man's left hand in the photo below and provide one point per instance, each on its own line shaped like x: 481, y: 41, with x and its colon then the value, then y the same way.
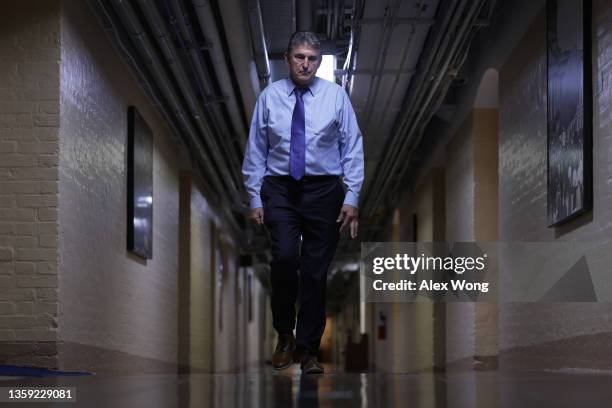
x: 349, y: 215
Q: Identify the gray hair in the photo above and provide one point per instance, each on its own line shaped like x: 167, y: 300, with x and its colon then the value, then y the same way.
x: 303, y: 37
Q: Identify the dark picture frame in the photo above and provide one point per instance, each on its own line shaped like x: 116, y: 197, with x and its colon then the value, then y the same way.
x: 569, y: 110
x: 139, y: 186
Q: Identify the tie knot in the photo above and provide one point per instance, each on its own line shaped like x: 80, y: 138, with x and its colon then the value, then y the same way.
x: 299, y: 92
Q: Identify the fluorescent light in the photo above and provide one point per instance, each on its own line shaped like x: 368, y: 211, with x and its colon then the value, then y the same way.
x: 326, y: 69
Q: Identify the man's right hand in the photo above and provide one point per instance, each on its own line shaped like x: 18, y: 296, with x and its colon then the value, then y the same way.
x: 257, y: 216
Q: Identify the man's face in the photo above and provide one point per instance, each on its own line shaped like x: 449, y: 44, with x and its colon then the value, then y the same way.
x: 303, y: 64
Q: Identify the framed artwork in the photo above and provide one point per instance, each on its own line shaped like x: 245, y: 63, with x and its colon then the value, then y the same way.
x: 139, y: 186
x: 570, y: 152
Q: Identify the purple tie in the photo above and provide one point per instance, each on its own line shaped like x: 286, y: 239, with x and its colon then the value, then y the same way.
x: 297, y: 149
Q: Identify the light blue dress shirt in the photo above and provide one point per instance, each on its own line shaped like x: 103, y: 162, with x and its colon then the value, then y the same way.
x: 334, y: 144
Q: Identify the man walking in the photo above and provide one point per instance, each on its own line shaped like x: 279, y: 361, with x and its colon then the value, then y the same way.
x: 303, y: 137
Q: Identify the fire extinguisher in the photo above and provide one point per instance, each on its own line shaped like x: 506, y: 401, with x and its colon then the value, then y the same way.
x: 382, y: 325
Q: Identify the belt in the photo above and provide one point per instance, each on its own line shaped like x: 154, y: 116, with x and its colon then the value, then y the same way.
x: 307, y: 179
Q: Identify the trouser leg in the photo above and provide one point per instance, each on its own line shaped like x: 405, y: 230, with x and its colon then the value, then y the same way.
x: 319, y: 206
x: 283, y: 222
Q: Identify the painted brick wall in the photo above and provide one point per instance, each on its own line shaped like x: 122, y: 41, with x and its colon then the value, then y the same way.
x: 485, y: 142
x: 110, y: 301
x: 227, y: 306
x: 29, y: 122
x: 202, y: 283
x: 522, y: 179
x: 460, y: 185
x: 460, y: 340
x: 471, y: 215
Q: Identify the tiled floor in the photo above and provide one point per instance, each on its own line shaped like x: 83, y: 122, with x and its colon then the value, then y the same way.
x: 266, y: 388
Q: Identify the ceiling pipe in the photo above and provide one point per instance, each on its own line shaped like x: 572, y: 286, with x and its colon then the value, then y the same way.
x: 121, y: 40
x: 202, y: 120
x: 234, y: 19
x: 338, y: 19
x: 333, y: 18
x: 442, y: 74
x: 353, y: 49
x: 211, y: 29
x: 385, y: 187
x: 441, y: 63
x: 204, y: 77
x: 145, y: 48
x: 222, y: 129
x: 461, y: 56
x: 303, y: 11
x: 328, y: 22
x: 418, y: 83
x: 393, y: 193
x: 259, y: 42
x: 163, y: 97
x: 459, y: 52
x: 427, y: 107
x: 456, y: 55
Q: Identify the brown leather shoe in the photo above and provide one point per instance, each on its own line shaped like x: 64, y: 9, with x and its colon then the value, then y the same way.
x: 283, y: 355
x: 310, y: 365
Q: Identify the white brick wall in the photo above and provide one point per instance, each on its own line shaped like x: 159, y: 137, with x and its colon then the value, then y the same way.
x: 110, y: 299
x: 523, y: 184
x: 460, y: 330
x: 201, y: 283
x: 471, y: 215
x: 29, y: 125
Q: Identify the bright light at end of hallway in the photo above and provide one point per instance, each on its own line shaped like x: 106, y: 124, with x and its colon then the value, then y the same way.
x: 326, y: 70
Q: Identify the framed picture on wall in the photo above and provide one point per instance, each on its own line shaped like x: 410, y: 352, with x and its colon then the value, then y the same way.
x: 139, y: 186
x: 570, y: 152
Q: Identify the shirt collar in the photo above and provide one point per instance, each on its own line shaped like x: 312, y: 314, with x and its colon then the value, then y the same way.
x: 313, y: 87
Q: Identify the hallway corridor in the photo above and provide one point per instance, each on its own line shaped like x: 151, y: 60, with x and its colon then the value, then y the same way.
x: 127, y: 247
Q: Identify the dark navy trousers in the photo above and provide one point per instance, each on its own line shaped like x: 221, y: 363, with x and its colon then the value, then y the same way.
x: 301, y: 218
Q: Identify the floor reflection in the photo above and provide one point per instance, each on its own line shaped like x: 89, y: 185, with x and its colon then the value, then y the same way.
x: 269, y: 388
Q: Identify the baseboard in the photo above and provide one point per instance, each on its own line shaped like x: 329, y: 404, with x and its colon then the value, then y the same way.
x: 81, y: 357
x: 472, y: 363
x: 29, y: 353
x: 591, y: 351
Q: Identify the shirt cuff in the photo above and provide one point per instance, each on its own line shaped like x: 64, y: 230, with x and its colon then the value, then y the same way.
x: 256, y: 202
x: 351, y: 199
